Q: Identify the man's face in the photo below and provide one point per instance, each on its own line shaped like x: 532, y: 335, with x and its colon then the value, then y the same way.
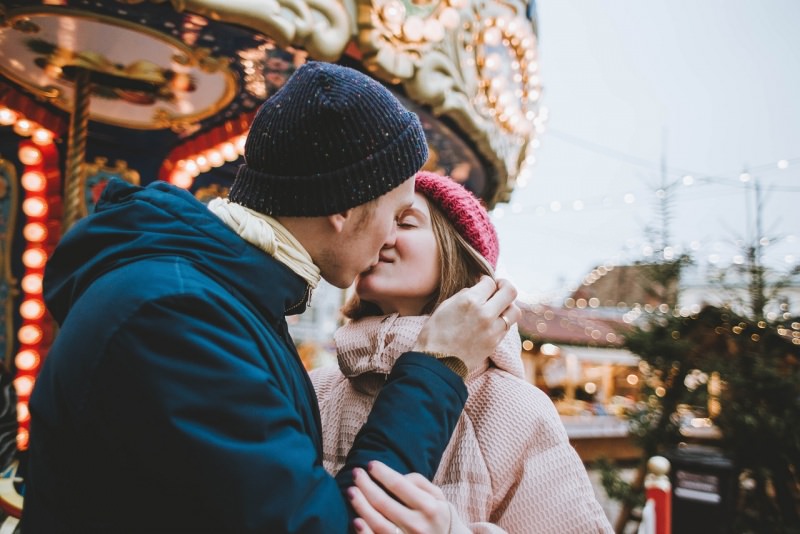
x: 369, y: 228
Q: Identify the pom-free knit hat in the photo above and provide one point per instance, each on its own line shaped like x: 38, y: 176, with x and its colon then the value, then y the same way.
x: 330, y: 139
x: 463, y: 210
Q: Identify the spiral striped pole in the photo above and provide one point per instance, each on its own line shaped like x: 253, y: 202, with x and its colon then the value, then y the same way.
x: 76, y: 150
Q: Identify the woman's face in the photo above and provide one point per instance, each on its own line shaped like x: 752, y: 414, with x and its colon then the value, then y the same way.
x: 407, y: 273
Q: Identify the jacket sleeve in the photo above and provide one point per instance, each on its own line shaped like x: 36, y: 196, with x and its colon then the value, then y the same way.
x: 412, y: 419
x: 193, y: 397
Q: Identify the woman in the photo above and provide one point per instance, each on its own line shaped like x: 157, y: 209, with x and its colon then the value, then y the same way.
x: 509, y: 465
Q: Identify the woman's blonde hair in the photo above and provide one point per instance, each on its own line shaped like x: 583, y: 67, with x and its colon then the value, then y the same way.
x: 460, y: 266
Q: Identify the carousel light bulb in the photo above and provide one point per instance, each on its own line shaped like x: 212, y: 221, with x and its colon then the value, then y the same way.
x: 393, y: 12
x: 492, y: 36
x: 7, y: 117
x: 23, y: 127
x: 191, y: 167
x: 34, y: 181
x: 413, y: 29
x: 498, y: 84
x: 30, y: 334
x: 32, y: 309
x: 783, y: 164
x: 35, y: 232
x: 203, y: 163
x: 23, y: 413
x: 34, y: 258
x: 32, y: 284
x: 458, y: 4
x: 23, y: 385
x: 493, y: 61
x: 449, y: 18
x: 181, y: 179
x: 215, y: 158
x: 22, y: 439
x: 30, y: 155
x: 240, y: 142
x: 228, y: 151
x: 433, y: 31
x: 42, y: 137
x: 27, y: 360
x: 34, y: 207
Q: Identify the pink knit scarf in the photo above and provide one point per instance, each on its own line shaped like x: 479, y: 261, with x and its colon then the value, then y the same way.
x: 370, y: 347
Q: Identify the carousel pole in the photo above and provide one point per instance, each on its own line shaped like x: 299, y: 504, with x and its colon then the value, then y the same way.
x: 76, y: 149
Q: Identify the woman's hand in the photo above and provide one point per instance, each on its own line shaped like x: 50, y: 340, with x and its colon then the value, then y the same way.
x: 419, y: 506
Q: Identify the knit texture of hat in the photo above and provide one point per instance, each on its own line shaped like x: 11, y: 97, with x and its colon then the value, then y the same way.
x: 463, y: 210
x: 330, y: 139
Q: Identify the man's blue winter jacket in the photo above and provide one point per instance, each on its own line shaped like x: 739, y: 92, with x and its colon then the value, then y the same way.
x: 173, y: 398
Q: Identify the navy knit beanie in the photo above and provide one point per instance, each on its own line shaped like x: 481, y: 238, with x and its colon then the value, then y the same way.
x: 330, y: 139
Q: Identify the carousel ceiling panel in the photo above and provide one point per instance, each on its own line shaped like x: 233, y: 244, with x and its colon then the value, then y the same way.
x: 151, y: 67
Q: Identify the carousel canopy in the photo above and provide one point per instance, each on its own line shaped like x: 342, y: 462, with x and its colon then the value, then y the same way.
x: 166, y: 82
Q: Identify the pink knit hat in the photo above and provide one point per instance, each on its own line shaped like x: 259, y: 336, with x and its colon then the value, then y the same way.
x: 463, y: 210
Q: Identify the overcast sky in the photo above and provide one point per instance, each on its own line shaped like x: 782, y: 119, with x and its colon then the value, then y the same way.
x: 711, y: 86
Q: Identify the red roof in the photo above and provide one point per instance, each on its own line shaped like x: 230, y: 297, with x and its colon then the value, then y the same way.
x: 571, y: 326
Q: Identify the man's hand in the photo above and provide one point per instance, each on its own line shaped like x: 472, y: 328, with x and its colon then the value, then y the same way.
x: 472, y: 322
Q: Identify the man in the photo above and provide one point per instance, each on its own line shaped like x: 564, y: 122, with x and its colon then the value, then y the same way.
x: 173, y: 397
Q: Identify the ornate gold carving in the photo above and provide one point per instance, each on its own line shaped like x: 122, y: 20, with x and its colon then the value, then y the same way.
x: 8, y: 178
x: 322, y: 27
x: 481, y: 71
x: 120, y: 168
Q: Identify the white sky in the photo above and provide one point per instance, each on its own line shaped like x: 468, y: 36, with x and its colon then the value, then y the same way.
x: 713, y: 85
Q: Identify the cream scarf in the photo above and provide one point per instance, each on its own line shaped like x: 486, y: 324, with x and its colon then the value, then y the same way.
x: 269, y: 235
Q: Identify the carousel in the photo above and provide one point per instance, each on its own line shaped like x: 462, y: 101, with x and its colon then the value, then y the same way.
x: 151, y: 90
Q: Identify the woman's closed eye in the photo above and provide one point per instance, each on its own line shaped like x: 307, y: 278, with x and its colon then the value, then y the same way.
x: 407, y: 221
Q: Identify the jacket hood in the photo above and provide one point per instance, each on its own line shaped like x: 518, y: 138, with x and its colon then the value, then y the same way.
x: 132, y: 223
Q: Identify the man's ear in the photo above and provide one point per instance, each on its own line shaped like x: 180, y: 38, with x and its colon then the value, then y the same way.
x: 339, y: 220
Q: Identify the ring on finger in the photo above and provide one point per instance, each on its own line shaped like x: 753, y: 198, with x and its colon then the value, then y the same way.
x: 505, y: 320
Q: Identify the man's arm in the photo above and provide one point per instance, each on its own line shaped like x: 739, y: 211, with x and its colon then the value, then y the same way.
x: 411, y: 421
x: 221, y: 429
x: 206, y: 410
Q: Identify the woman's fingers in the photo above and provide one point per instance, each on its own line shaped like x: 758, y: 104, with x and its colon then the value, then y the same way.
x: 418, y: 507
x: 369, y: 520
x: 412, y: 490
x: 374, y: 505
